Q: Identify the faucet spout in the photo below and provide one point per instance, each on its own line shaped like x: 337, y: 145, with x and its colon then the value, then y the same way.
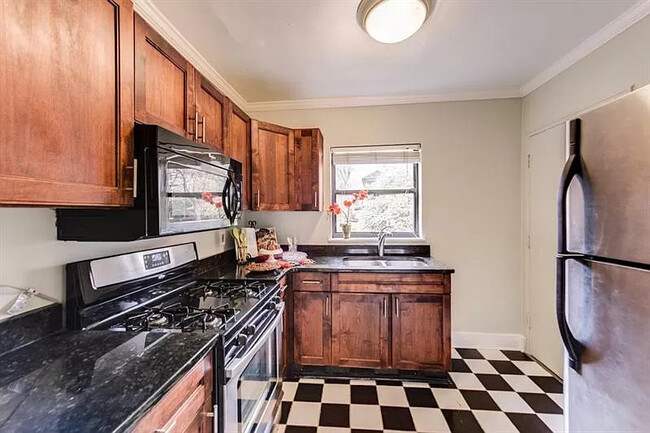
x: 381, y: 240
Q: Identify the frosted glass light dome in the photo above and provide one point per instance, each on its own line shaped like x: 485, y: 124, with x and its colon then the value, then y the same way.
x: 391, y: 21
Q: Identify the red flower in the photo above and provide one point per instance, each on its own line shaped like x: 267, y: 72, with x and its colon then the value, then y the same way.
x: 335, y: 209
x: 347, y: 203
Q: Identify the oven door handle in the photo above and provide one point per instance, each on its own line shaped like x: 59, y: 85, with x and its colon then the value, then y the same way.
x: 237, y: 365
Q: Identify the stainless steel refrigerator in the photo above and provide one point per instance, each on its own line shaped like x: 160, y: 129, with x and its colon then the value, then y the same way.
x: 603, y: 268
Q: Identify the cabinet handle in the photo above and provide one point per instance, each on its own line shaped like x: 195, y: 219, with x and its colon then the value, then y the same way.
x: 169, y: 428
x: 258, y: 198
x: 203, y: 138
x: 327, y: 305
x: 311, y: 282
x: 385, y: 308
x: 315, y: 198
x: 397, y: 307
x: 196, y: 126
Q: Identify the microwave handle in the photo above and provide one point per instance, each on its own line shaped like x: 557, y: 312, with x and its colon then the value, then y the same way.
x: 226, y: 198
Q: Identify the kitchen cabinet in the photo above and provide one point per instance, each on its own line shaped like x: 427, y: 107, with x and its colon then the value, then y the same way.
x: 309, y: 169
x: 272, y: 167
x: 237, y: 145
x: 376, y: 320
x: 360, y: 330
x: 312, y: 332
x: 67, y: 103
x: 209, y: 113
x: 187, y: 407
x: 420, y: 336
x: 164, y: 84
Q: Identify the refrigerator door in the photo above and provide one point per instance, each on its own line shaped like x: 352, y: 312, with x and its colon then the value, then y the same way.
x: 609, y: 310
x: 609, y: 210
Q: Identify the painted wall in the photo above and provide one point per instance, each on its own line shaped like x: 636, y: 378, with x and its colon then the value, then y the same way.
x: 30, y: 255
x: 470, y: 195
x: 609, y: 72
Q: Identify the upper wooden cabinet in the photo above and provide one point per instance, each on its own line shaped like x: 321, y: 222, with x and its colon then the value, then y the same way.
x: 237, y: 145
x: 210, y: 113
x: 272, y: 166
x: 309, y: 169
x: 66, y: 70
x: 164, y: 86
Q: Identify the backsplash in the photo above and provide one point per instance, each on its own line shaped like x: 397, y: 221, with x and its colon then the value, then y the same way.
x: 31, y: 256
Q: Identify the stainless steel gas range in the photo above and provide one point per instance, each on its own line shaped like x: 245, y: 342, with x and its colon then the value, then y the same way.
x: 160, y: 290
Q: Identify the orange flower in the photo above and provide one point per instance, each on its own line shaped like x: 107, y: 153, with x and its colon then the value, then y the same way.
x: 347, y: 203
x: 335, y: 209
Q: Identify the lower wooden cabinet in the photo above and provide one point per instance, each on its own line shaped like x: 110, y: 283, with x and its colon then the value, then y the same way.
x: 360, y: 330
x: 187, y: 407
x: 312, y: 329
x: 421, y: 334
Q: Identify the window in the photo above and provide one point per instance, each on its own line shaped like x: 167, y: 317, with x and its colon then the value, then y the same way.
x: 390, y: 174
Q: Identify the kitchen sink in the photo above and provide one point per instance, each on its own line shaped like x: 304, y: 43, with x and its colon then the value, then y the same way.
x: 386, y: 262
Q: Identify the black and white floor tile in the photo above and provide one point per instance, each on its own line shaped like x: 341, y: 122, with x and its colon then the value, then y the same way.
x: 495, y: 391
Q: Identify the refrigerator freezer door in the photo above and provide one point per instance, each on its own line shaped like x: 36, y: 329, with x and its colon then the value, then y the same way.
x: 614, y: 198
x: 608, y: 310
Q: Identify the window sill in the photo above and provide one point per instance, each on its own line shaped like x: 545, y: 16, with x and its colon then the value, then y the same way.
x: 373, y: 241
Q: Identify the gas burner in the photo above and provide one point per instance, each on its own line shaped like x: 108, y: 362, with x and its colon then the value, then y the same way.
x: 212, y: 321
x: 157, y: 319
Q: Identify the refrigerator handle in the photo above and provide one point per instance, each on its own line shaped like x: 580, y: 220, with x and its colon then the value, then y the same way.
x: 572, y: 169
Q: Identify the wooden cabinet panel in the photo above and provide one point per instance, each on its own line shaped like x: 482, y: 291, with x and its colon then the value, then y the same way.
x: 210, y: 110
x: 164, y: 83
x: 184, y: 407
x: 237, y: 145
x: 312, y: 328
x: 421, y: 336
x: 311, y: 282
x: 66, y: 70
x: 273, y: 159
x: 360, y: 330
x: 391, y: 283
x: 309, y: 169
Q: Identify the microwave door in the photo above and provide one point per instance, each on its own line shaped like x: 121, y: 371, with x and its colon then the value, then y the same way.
x: 190, y: 195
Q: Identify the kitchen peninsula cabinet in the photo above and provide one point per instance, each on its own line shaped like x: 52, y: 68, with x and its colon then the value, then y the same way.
x: 237, y: 145
x: 187, y: 407
x: 164, y: 84
x: 376, y: 320
x: 272, y: 167
x: 67, y: 103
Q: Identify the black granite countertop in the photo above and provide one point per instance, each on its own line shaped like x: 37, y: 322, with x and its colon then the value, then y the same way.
x: 230, y: 271
x: 92, y: 381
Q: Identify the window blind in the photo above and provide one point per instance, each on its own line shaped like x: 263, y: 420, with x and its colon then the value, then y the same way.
x: 386, y: 154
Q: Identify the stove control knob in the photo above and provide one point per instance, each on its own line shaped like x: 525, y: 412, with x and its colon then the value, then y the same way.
x: 276, y: 299
x: 242, y: 340
x: 272, y: 305
x: 250, y: 329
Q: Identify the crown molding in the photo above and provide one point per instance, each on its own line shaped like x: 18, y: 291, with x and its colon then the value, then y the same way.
x: 626, y: 20
x: 152, y: 15
x: 368, y: 101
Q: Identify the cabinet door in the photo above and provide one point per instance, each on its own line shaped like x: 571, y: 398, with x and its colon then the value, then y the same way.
x: 238, y: 145
x: 360, y: 330
x: 273, y: 159
x: 421, y: 336
x: 164, y: 83
x: 210, y: 110
x: 309, y: 169
x: 66, y: 92
x: 312, y: 328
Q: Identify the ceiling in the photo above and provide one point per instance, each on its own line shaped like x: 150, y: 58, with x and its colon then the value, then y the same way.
x: 280, y: 50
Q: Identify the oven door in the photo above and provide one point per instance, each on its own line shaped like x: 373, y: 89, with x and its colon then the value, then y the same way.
x: 196, y: 190
x: 250, y: 394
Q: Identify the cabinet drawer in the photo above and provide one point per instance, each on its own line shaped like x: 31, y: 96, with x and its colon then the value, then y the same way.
x: 311, y: 282
x: 182, y: 404
x: 391, y: 283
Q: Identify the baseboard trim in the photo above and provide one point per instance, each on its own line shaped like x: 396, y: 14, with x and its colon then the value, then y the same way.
x: 481, y: 340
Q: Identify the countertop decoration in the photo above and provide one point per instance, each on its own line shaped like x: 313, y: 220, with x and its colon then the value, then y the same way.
x: 335, y: 209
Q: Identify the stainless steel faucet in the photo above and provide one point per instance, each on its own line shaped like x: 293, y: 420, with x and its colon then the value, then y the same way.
x: 381, y: 240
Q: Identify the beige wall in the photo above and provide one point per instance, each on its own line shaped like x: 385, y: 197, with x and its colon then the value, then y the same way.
x: 470, y: 195
x: 610, y: 71
x: 30, y: 255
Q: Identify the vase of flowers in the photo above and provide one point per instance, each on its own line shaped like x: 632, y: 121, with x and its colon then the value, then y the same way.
x: 346, y: 211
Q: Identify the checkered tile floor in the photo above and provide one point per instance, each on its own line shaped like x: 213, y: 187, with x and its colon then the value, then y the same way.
x: 495, y: 391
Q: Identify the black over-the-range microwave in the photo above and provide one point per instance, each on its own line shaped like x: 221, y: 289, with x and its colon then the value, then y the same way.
x: 181, y: 187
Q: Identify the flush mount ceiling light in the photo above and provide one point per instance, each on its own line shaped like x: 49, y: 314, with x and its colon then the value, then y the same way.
x: 391, y: 21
